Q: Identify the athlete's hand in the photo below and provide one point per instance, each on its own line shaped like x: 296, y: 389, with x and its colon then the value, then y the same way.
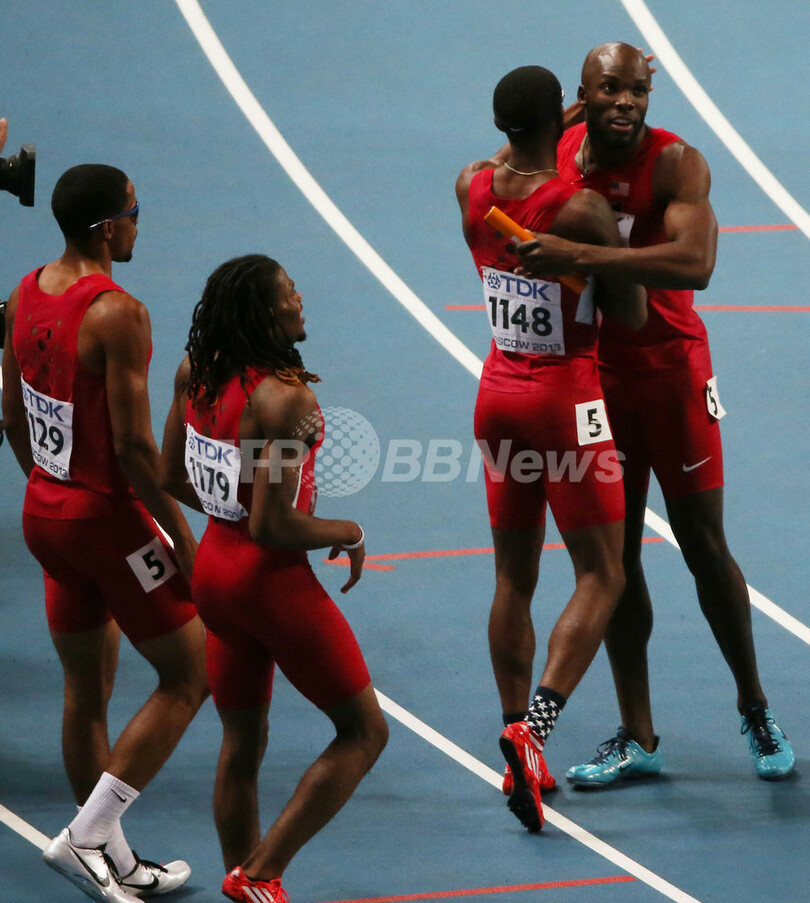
x: 3, y: 132
x: 356, y: 559
x: 546, y: 255
x: 649, y: 57
x: 574, y: 114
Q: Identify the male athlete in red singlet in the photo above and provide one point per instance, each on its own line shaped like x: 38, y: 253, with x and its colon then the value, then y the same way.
x: 661, y: 395
x: 540, y: 421
x: 77, y: 416
x: 242, y: 388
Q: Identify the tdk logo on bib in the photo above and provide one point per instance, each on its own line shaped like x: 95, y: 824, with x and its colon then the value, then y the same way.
x: 42, y: 404
x: 211, y: 451
x: 493, y: 280
x: 532, y: 289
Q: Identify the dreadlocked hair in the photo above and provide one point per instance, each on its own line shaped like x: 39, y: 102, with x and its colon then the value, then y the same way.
x: 234, y: 327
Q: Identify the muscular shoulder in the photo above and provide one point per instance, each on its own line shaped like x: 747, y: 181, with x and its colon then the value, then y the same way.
x: 470, y: 170
x: 13, y: 301
x: 586, y: 217
x: 115, y: 310
x: 279, y: 407
x: 182, y: 377
x: 116, y: 327
x: 681, y: 172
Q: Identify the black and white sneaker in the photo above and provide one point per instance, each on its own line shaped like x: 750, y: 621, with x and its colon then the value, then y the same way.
x: 150, y: 879
x: 87, y: 869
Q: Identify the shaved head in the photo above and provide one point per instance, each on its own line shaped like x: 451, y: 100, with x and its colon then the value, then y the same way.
x: 615, y: 92
x: 613, y: 55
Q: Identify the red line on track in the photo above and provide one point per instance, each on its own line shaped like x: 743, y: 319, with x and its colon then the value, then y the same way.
x: 755, y: 308
x: 780, y: 227
x: 727, y: 308
x: 506, y: 889
x: 441, y: 553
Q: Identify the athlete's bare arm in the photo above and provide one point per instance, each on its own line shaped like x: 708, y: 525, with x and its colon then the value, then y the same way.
x: 175, y: 477
x: 587, y: 217
x: 463, y: 190
x: 684, y: 261
x: 116, y: 334
x: 14, y: 417
x: 277, y: 409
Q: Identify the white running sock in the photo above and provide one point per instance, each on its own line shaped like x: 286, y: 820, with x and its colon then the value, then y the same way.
x: 119, y: 850
x: 94, y: 824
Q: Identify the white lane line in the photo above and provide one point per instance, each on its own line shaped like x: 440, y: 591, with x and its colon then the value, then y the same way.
x: 312, y: 191
x: 656, y: 40
x: 37, y: 838
x: 255, y: 114
x: 295, y: 169
x: 553, y: 817
x: 760, y: 602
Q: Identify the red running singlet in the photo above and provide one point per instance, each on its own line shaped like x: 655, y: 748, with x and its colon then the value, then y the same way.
x: 261, y: 605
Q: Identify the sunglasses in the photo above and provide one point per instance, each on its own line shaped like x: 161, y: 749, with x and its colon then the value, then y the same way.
x: 133, y: 212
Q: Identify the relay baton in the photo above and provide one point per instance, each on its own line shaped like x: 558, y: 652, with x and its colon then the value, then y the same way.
x: 508, y: 227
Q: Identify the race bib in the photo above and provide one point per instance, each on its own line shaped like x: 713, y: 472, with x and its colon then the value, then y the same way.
x: 525, y: 314
x: 50, y: 425
x: 214, y: 468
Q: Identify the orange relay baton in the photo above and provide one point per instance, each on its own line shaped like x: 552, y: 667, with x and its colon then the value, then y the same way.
x: 509, y: 228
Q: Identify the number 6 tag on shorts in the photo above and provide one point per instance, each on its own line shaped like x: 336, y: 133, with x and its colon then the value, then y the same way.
x: 713, y: 405
x: 152, y: 565
x: 592, y: 422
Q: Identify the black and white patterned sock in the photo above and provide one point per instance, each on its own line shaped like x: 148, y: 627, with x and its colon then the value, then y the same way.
x: 544, y: 710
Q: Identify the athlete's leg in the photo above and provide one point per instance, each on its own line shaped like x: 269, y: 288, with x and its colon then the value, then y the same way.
x: 236, y: 805
x: 361, y: 735
x: 697, y: 521
x: 89, y: 660
x: 629, y: 632
x: 596, y: 553
x: 511, y: 632
x: 150, y: 737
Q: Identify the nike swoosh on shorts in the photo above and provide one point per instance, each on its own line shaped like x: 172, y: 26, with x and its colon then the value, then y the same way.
x: 688, y: 467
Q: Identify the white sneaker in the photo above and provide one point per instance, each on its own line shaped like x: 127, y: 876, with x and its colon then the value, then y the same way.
x: 87, y: 869
x: 149, y: 879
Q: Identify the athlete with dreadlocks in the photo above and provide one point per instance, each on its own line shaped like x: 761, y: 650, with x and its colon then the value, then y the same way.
x: 243, y: 385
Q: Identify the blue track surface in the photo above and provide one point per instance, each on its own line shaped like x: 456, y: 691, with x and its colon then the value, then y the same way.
x: 384, y: 104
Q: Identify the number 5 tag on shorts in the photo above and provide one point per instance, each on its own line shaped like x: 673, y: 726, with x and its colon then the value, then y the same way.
x: 713, y: 405
x: 592, y: 422
x: 152, y: 565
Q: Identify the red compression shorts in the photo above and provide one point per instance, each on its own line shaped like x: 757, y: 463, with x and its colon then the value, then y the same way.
x: 581, y: 479
x: 661, y: 422
x: 113, y: 567
x: 259, y: 612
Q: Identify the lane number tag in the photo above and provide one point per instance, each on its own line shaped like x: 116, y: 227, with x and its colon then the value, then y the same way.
x: 152, y: 565
x: 592, y: 422
x: 713, y: 405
